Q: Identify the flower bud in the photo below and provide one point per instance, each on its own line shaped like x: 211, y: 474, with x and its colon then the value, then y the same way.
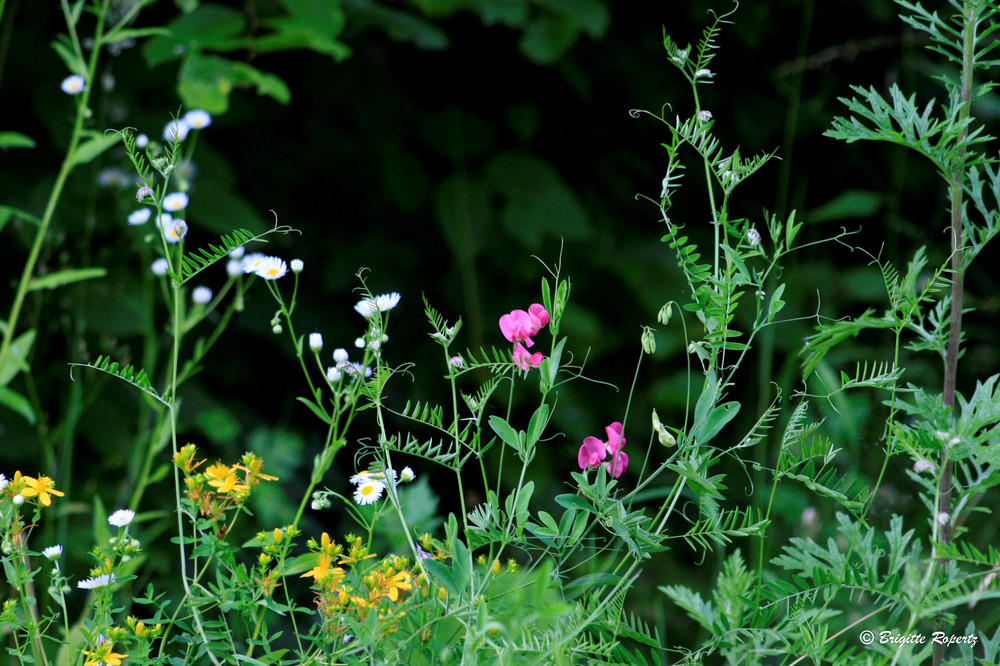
x: 144, y: 192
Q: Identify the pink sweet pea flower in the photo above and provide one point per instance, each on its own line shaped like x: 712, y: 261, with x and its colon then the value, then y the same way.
x: 592, y: 452
x: 524, y: 360
x: 618, y: 464
x: 521, y: 326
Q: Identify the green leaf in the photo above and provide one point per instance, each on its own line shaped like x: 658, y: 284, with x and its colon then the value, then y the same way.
x: 847, y: 205
x: 15, y: 140
x: 207, y: 27
x: 18, y: 403
x: 716, y: 421
x: 506, y: 432
x: 7, y: 213
x: 99, y: 143
x: 17, y: 356
x: 571, y: 501
x: 537, y: 424
x: 69, y: 276
x: 775, y: 305
x: 316, y: 409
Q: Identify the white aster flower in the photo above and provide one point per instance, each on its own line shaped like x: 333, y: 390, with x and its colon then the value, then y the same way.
x: 176, y: 130
x: 271, y: 268
x: 3, y: 481
x: 369, y: 492
x: 237, y: 253
x: 297, y: 265
x: 160, y: 266
x: 333, y: 374
x: 121, y: 517
x: 316, y: 342
x: 386, y: 302
x: 366, y: 308
x: 175, y: 201
x: 141, y: 141
x: 73, y: 85
x: 175, y: 231
x: 201, y: 295
x: 360, y: 477
x: 234, y: 267
x: 407, y: 475
x: 52, y: 552
x: 359, y: 342
x: 197, y: 119
x: 164, y: 220
x: 253, y: 261
x: 17, y: 499
x: 140, y: 216
x: 340, y: 355
x: 98, y: 581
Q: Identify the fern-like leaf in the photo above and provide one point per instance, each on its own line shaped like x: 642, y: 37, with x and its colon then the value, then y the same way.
x: 137, y: 377
x: 193, y: 263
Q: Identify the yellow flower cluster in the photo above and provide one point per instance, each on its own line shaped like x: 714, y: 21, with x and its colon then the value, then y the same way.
x: 344, y: 585
x: 28, y: 488
x: 219, y: 487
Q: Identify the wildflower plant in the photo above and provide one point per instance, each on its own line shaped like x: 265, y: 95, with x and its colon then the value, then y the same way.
x: 517, y: 570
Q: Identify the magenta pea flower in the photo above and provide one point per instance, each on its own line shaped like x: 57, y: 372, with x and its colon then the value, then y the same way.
x: 524, y: 360
x: 594, y: 452
x: 521, y: 326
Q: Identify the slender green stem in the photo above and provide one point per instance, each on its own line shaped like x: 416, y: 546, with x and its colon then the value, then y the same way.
x: 64, y: 171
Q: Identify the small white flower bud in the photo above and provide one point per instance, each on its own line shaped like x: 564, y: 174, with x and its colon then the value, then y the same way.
x: 316, y: 342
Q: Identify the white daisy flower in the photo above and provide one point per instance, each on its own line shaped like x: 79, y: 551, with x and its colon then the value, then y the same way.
x: 369, y: 492
x: 272, y: 268
x: 253, y: 261
x: 407, y: 475
x: 237, y: 253
x: 140, y: 216
x: 333, y: 375
x: 201, y: 295
x: 3, y: 481
x: 175, y: 201
x: 121, y: 517
x: 176, y: 130
x: 198, y: 119
x: 141, y: 141
x: 52, y: 552
x: 360, y: 477
x: 164, y: 220
x: 316, y: 342
x: 160, y: 266
x: 73, y: 85
x: 297, y: 265
x: 98, y: 581
x: 175, y: 231
x: 386, y: 302
x: 340, y: 355
x: 234, y: 267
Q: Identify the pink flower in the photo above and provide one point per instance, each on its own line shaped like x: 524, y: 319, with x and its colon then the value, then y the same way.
x: 521, y: 326
x: 594, y: 451
x: 524, y: 360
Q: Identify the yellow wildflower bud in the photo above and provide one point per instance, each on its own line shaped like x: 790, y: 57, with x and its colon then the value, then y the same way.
x: 496, y: 567
x: 277, y: 535
x: 140, y: 630
x: 264, y: 558
x: 511, y: 566
x: 442, y: 593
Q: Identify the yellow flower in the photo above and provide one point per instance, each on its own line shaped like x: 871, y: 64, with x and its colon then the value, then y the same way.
x: 102, y: 657
x: 223, y: 479
x: 393, y: 584
x: 42, y: 486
